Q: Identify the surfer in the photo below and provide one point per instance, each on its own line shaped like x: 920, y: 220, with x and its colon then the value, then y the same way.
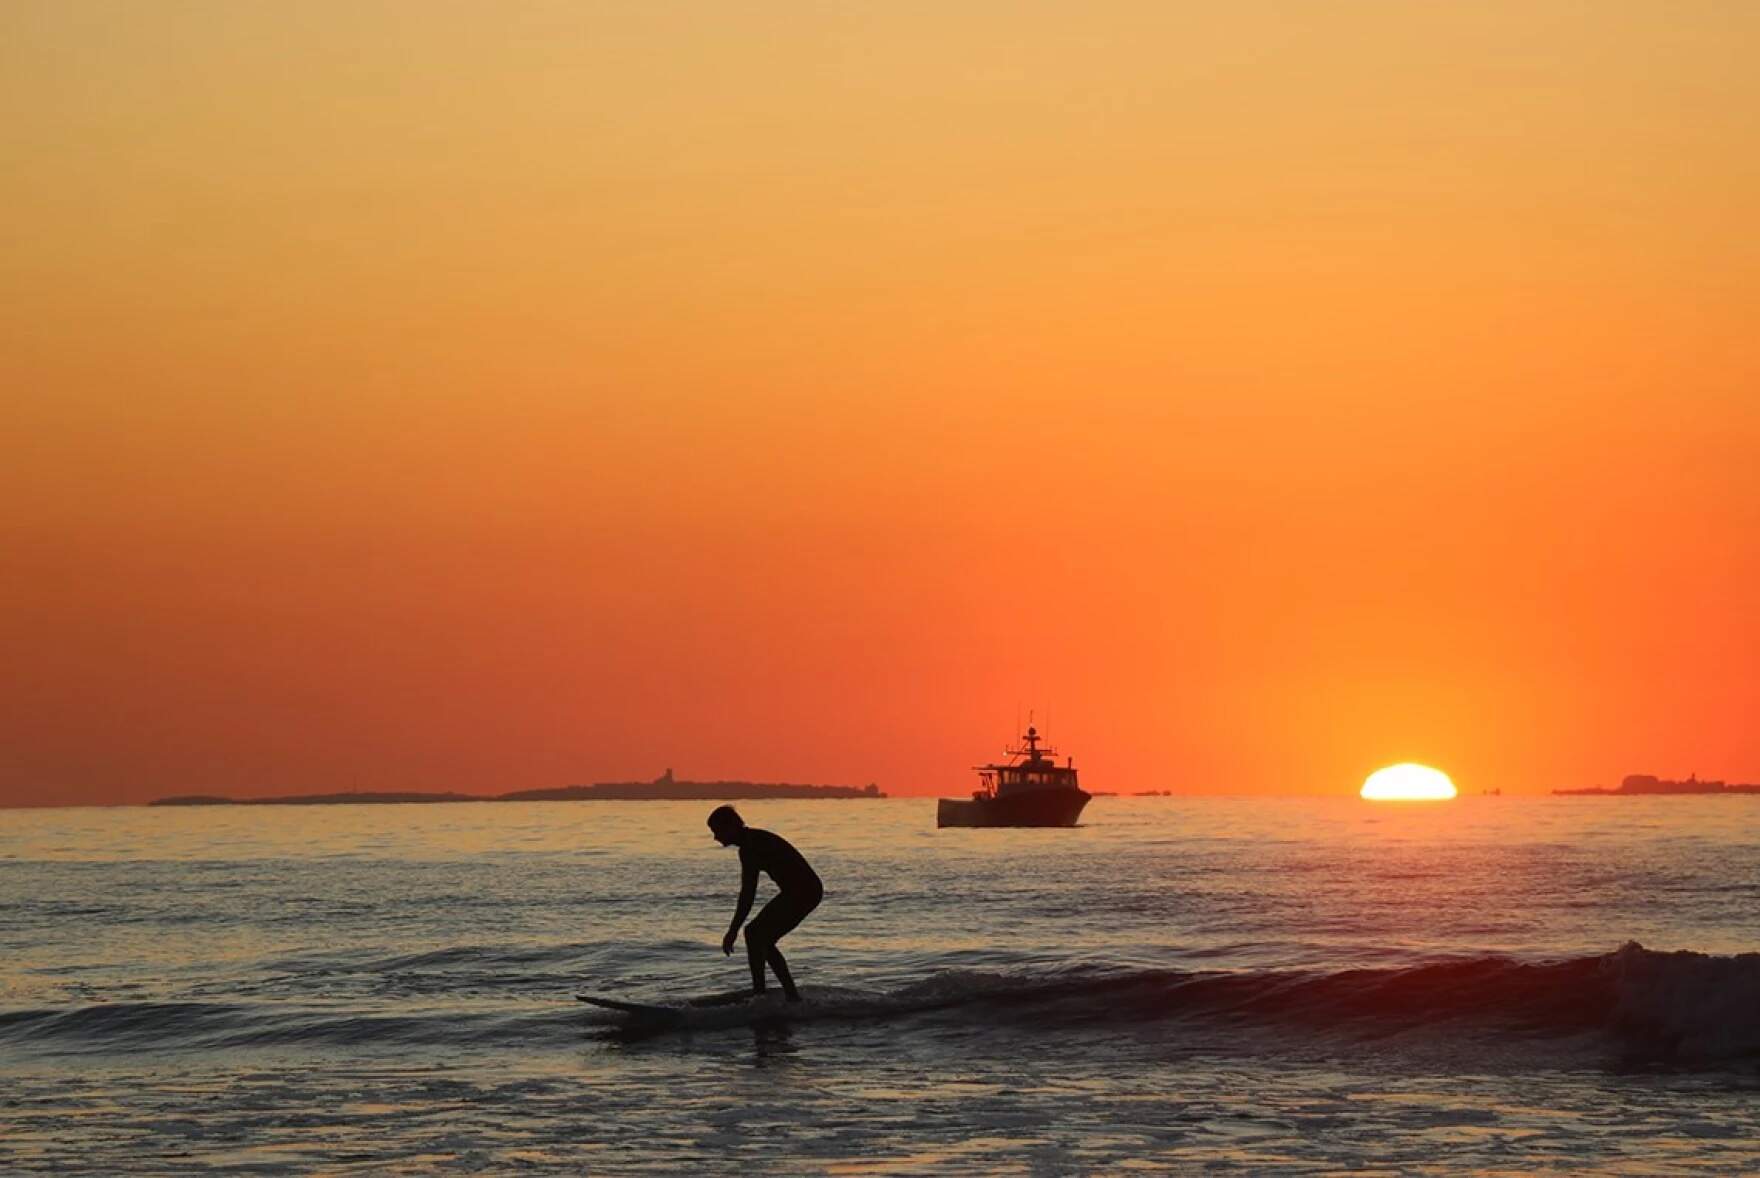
x: 799, y: 892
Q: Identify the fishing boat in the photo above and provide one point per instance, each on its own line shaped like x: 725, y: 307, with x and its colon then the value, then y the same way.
x: 1030, y: 789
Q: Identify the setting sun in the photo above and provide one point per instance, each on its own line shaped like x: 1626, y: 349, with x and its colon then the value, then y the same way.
x: 1408, y: 783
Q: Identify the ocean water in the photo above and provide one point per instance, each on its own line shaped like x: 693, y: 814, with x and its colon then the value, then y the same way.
x: 1502, y: 985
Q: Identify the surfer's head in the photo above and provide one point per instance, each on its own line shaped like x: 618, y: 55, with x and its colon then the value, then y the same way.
x: 726, y: 823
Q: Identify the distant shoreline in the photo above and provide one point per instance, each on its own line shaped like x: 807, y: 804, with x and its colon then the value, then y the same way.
x: 1643, y: 785
x: 1600, y: 792
x: 663, y: 790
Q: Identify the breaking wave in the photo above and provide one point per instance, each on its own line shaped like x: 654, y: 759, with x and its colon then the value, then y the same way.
x: 1682, y: 1009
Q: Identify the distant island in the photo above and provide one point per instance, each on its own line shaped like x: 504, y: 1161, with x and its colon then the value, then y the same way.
x: 1642, y: 784
x: 343, y: 799
x: 664, y: 788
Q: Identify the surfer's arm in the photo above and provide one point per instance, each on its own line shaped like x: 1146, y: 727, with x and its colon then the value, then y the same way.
x: 748, y: 890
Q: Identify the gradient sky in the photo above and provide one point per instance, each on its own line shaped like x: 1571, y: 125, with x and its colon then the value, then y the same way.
x: 480, y: 396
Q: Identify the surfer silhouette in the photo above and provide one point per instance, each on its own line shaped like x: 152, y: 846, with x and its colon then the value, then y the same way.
x: 799, y: 892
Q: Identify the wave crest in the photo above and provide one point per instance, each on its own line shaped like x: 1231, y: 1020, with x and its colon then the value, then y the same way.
x: 1675, y: 1009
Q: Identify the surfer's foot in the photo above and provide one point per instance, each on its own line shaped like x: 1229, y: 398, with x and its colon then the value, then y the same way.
x: 794, y: 995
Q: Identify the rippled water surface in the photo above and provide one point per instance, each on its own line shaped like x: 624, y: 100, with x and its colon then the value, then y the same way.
x: 1495, y: 983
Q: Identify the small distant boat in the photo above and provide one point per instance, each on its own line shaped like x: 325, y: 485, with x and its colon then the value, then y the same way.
x: 1031, y: 789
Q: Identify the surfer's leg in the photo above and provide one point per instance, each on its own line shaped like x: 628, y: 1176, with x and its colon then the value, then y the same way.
x: 755, y: 958
x: 760, y: 937
x: 779, y: 967
x: 777, y: 920
x: 758, y: 942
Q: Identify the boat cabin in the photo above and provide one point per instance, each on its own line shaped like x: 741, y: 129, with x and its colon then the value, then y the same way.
x: 1033, y: 768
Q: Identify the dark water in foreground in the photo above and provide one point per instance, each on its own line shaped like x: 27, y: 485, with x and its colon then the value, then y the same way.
x: 1179, y: 984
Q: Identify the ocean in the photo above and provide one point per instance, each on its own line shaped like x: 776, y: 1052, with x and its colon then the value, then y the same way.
x: 1494, y: 984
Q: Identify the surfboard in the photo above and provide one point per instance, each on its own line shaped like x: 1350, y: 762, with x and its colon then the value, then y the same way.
x: 642, y: 1009
x: 729, y: 998
x: 707, y: 1011
x: 699, y: 1002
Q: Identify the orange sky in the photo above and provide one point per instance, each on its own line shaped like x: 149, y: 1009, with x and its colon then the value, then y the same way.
x: 478, y: 397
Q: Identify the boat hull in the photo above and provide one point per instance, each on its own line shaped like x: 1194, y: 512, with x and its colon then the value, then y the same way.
x: 1040, y: 807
